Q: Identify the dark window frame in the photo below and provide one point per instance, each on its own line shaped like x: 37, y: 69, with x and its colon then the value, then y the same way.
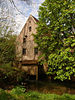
x: 24, y: 40
x: 35, y: 51
x: 24, y: 51
x: 30, y: 29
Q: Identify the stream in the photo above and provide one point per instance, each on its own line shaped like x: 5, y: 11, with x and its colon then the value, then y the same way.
x: 53, y: 87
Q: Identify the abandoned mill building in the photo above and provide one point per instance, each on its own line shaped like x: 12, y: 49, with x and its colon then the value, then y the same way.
x: 26, y: 48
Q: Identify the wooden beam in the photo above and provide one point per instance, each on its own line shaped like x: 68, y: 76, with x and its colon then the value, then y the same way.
x: 36, y: 72
x: 30, y: 62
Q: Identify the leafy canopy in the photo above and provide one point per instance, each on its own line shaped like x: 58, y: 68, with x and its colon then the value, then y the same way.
x: 56, y: 37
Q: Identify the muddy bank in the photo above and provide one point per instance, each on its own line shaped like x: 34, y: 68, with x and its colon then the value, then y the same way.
x: 51, y: 87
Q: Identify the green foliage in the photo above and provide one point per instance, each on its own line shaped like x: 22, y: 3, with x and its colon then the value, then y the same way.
x: 11, y: 75
x: 18, y: 90
x: 7, y: 38
x: 20, y: 94
x: 56, y: 37
x: 5, y: 96
x: 7, y: 48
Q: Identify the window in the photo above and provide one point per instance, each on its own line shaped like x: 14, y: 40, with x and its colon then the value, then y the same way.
x: 25, y: 36
x: 24, y: 51
x: 0, y: 49
x: 24, y: 40
x: 30, y: 29
x: 35, y: 51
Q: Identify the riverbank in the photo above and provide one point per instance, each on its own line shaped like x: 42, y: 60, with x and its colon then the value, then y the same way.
x: 44, y: 86
x: 52, y: 87
x: 19, y: 93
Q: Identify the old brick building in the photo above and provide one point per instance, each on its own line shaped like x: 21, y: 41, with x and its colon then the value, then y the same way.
x: 27, y: 51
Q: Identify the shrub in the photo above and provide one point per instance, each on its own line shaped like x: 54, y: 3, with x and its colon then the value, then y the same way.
x: 11, y: 75
x: 5, y: 96
x: 19, y: 90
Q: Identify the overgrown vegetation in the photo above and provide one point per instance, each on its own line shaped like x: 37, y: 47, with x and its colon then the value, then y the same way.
x: 11, y: 75
x: 56, y: 37
x: 19, y: 93
x: 7, y: 48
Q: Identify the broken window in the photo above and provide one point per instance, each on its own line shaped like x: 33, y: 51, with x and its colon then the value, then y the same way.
x: 35, y: 51
x: 30, y: 29
x: 24, y: 40
x: 24, y: 51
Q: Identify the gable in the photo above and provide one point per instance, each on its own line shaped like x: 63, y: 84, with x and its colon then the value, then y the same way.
x: 31, y: 22
x: 33, y: 18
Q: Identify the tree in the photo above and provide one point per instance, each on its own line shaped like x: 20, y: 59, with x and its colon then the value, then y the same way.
x: 8, y: 12
x: 56, y: 37
x: 7, y: 28
x: 7, y: 39
x: 7, y: 46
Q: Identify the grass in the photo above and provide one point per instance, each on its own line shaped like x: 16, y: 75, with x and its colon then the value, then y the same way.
x: 19, y: 93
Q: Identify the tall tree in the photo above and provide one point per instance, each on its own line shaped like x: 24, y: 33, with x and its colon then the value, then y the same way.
x: 7, y: 39
x: 56, y: 37
x: 9, y: 11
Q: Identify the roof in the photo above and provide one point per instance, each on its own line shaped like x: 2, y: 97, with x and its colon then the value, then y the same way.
x: 35, y: 19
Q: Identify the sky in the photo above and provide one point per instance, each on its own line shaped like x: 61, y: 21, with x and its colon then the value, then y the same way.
x: 26, y: 11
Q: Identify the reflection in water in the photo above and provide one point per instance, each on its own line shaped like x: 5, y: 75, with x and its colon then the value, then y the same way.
x: 51, y: 87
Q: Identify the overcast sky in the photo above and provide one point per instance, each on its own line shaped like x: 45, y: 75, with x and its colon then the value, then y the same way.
x: 26, y: 10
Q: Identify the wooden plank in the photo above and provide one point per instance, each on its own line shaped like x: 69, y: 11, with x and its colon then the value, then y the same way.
x: 36, y: 72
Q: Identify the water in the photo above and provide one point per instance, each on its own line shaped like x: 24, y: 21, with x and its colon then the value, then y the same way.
x: 51, y: 87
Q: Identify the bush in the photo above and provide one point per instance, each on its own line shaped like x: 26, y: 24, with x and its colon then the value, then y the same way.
x: 19, y: 90
x: 11, y: 75
x: 5, y: 96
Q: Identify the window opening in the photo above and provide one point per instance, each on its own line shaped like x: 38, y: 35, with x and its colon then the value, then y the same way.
x: 35, y: 51
x: 24, y: 40
x: 30, y: 29
x: 24, y: 51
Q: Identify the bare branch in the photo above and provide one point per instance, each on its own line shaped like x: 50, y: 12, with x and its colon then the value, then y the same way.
x: 12, y: 2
